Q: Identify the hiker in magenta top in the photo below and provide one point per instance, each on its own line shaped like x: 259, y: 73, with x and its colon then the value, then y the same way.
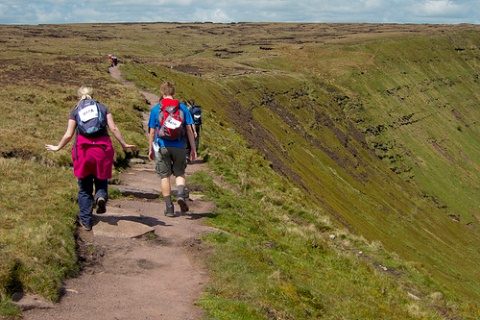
x: 170, y: 124
x: 92, y: 152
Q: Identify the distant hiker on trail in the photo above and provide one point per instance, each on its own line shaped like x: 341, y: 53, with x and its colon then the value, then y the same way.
x: 113, y: 60
x: 92, y: 152
x: 196, y: 112
x: 169, y: 119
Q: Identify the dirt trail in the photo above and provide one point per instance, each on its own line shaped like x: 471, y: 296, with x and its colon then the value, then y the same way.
x: 146, y: 277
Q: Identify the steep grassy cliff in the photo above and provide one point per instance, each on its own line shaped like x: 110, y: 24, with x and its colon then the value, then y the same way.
x: 380, y: 131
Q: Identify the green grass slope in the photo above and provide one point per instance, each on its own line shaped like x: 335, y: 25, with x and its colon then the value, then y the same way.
x: 424, y: 92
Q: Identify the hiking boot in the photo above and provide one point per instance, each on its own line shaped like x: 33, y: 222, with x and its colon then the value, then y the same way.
x: 101, y: 205
x: 183, y: 204
x: 170, y: 211
x: 84, y: 226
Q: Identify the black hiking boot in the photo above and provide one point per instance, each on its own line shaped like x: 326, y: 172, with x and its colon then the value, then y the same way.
x: 183, y: 204
x: 170, y: 211
x: 101, y: 205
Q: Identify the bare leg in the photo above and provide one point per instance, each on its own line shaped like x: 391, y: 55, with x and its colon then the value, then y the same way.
x: 180, y: 181
x: 165, y: 186
x: 181, y: 197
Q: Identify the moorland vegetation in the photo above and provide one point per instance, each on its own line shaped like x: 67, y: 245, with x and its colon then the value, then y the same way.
x: 351, y: 152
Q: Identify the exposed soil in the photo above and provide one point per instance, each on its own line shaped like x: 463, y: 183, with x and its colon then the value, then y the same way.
x: 188, y: 68
x: 158, y: 275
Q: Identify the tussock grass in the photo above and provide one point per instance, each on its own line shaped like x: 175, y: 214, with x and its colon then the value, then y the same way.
x: 36, y: 224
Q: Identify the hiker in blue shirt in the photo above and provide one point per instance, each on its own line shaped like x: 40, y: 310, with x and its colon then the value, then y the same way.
x: 170, y: 124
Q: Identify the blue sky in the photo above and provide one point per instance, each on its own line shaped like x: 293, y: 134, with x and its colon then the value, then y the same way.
x: 381, y: 11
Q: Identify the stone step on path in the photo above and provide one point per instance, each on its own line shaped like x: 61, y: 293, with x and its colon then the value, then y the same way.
x: 152, y: 215
x: 31, y: 301
x: 120, y: 224
x: 133, y: 218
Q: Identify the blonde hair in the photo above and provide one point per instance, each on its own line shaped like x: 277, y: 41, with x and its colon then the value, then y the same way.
x: 167, y: 89
x: 84, y: 92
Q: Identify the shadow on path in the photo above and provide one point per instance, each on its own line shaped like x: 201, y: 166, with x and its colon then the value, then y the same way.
x: 146, y: 220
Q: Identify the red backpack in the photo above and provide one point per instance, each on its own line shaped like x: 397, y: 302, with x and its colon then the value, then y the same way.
x: 170, y: 119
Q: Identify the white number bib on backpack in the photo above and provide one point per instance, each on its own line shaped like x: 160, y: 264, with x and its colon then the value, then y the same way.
x: 172, y: 123
x: 88, y: 113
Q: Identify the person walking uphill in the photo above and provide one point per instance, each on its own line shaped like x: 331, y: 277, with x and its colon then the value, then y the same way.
x: 196, y: 112
x: 169, y: 125
x: 92, y: 152
x: 113, y: 60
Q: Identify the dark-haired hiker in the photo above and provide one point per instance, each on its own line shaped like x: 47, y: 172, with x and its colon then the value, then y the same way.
x: 196, y: 112
x: 113, y: 60
x: 92, y: 152
x: 168, y: 122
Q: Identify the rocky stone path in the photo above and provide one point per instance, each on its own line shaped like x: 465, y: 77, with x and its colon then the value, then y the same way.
x: 138, y: 264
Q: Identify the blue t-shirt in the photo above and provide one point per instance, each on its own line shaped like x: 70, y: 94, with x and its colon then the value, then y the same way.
x: 153, y: 123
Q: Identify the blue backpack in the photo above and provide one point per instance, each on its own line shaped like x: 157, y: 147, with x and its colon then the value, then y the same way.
x: 91, y: 118
x: 196, y: 112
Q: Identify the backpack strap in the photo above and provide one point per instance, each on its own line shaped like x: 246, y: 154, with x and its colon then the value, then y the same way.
x: 160, y: 113
x: 156, y: 138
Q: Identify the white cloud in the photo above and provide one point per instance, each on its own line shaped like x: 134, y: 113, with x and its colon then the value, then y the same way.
x: 439, y: 8
x: 47, y: 16
x: 220, y: 16
x: 3, y: 10
x: 372, y: 4
x: 213, y: 15
x: 146, y: 2
x: 88, y: 15
x: 395, y: 11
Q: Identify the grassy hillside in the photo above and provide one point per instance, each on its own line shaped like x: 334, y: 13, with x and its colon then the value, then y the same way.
x: 424, y: 92
x: 374, y: 126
